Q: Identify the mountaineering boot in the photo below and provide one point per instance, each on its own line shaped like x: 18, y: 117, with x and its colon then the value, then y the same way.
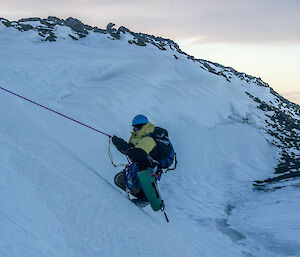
x: 140, y: 202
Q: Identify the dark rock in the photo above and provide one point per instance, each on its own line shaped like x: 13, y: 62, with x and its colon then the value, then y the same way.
x: 26, y: 27
x: 30, y: 19
x: 279, y: 178
x: 55, y: 20
x: 6, y: 22
x: 265, y: 107
x: 97, y: 30
x: 112, y: 31
x: 51, y: 38
x: 47, y: 23
x: 141, y: 41
x: 123, y: 30
x: 77, y: 25
x: 209, y: 68
x: 159, y: 46
x: 44, y: 30
x: 75, y: 38
x: 110, y: 28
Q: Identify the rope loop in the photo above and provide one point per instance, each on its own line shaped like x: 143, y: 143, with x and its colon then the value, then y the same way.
x: 111, y: 157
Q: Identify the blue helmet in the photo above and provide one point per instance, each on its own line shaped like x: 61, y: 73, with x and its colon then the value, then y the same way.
x: 139, y: 120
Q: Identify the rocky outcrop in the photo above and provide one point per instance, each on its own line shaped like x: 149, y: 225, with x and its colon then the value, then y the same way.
x: 283, y: 124
x: 77, y: 26
x: 46, y: 29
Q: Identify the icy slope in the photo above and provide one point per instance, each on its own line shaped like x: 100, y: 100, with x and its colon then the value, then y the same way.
x: 57, y: 192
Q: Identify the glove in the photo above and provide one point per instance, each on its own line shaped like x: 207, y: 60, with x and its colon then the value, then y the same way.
x: 115, y: 140
x: 120, y: 144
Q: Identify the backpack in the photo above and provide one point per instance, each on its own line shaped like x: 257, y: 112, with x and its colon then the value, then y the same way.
x: 165, y: 148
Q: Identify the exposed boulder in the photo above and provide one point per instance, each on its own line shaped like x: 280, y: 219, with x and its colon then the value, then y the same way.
x: 123, y: 30
x: 30, y: 19
x: 77, y: 25
x: 110, y: 28
x: 6, y: 22
x: 55, y: 20
x: 25, y: 27
x: 51, y: 38
x: 112, y: 31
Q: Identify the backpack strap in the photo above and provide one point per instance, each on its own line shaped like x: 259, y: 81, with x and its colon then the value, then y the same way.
x: 159, y: 155
x: 175, y: 164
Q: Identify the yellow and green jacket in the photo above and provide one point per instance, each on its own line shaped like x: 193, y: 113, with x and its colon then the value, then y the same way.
x: 141, y: 146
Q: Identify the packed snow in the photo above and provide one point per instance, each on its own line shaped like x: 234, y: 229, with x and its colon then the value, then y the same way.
x: 57, y: 196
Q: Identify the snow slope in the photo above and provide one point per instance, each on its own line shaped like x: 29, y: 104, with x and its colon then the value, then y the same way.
x: 57, y: 196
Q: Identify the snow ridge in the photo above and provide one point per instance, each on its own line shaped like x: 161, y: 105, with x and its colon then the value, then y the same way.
x: 48, y: 30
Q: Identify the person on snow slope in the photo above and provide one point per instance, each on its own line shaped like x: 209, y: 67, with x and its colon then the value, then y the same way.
x: 142, y: 151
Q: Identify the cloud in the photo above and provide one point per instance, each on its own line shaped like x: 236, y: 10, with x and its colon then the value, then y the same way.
x: 231, y: 21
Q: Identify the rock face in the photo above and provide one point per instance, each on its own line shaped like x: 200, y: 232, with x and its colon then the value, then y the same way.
x: 283, y: 124
x: 282, y: 117
x: 77, y: 26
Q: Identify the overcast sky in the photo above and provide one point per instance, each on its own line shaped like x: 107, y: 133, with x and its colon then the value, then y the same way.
x: 261, y: 37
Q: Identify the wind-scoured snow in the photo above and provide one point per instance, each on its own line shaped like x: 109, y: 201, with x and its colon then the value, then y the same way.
x: 57, y: 196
